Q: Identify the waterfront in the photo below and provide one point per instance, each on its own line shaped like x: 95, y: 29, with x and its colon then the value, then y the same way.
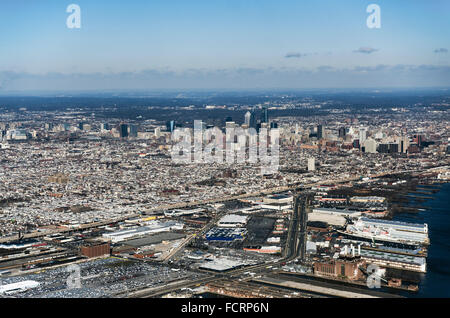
x: 436, y: 214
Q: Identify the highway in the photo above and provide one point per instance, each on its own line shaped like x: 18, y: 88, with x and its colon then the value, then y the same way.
x: 292, y: 248
x: 302, y: 204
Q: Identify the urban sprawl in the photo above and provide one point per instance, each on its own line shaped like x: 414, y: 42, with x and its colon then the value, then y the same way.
x: 105, y: 194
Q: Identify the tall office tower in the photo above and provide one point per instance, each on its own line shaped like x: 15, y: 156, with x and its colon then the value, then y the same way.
x: 403, y: 144
x: 230, y: 126
x: 123, y: 130
x: 342, y: 132
x: 311, y: 164
x: 170, y: 125
x: 362, y: 135
x: 252, y: 123
x: 247, y: 118
x: 273, y: 125
x: 80, y: 126
x: 320, y: 132
x: 265, y: 115
x: 370, y: 145
x: 132, y: 131
x: 258, y: 126
x: 418, y: 139
x: 388, y: 148
x: 49, y: 126
x: 157, y: 132
x: 105, y: 126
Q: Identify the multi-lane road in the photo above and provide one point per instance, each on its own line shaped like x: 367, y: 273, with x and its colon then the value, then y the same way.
x: 295, y: 246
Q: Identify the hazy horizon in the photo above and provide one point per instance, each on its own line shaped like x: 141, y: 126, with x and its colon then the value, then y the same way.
x: 229, y: 44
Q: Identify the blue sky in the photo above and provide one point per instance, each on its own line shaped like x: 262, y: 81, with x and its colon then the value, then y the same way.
x: 223, y: 44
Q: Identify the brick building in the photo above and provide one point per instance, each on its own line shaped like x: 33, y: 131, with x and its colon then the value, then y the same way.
x: 340, y: 268
x: 95, y: 249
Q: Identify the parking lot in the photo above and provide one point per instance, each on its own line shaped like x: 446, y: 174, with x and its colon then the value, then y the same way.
x: 100, y: 278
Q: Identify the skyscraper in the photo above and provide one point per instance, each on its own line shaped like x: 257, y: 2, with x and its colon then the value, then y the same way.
x: 320, y: 132
x: 123, y: 130
x: 265, y: 115
x: 247, y: 118
x: 418, y: 139
x: 105, y: 126
x: 132, y: 130
x: 258, y: 126
x: 370, y: 145
x: 170, y: 125
x: 252, y: 123
x: 362, y: 135
x: 342, y: 132
x: 403, y: 144
x: 157, y: 132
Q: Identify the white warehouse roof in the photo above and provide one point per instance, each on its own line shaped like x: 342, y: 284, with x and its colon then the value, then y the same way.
x: 233, y: 219
x: 18, y: 287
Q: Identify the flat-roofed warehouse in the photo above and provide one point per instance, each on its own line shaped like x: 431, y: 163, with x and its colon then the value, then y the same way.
x: 393, y: 260
x: 328, y: 216
x: 278, y: 198
x: 342, y: 212
x: 233, y: 220
x: 135, y: 232
x: 367, y: 199
x: 155, y: 239
x: 13, y: 288
x: 221, y: 264
x: 397, y: 225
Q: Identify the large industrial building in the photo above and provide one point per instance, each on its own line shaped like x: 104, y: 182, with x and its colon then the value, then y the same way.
x: 337, y: 217
x: 11, y: 289
x: 95, y: 249
x: 391, y: 231
x: 367, y: 199
x: 340, y: 212
x: 135, y: 232
x: 233, y: 220
x: 226, y: 234
x: 339, y: 268
x: 393, y: 260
